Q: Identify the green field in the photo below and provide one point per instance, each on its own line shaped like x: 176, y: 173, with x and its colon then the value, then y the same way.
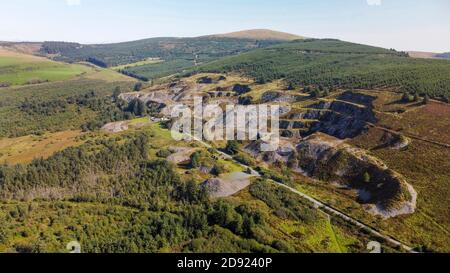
x: 140, y: 63
x: 19, y: 69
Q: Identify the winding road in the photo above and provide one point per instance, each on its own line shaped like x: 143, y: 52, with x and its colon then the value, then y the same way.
x: 320, y: 205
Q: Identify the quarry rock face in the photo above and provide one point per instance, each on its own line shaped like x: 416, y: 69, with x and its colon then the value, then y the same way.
x: 342, y: 119
x: 346, y: 116
x: 222, y: 188
x: 382, y: 190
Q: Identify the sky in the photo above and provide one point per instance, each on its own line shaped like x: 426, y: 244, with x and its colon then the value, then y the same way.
x: 422, y: 25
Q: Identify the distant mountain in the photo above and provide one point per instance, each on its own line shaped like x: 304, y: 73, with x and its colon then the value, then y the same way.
x: 261, y: 34
x: 175, y: 54
x: 429, y: 55
x: 195, y: 50
x: 444, y: 55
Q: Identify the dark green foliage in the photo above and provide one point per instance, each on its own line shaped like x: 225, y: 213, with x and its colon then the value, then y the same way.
x: 284, y: 203
x: 137, y: 108
x: 195, y: 160
x: 366, y: 177
x: 60, y: 106
x: 97, y: 62
x: 159, y: 70
x: 232, y: 147
x: 177, y: 53
x: 241, y: 89
x: 273, y: 175
x: 406, y: 97
x: 244, y: 159
x: 164, y: 153
x: 332, y: 63
x: 426, y: 99
x: 109, y: 109
x: 218, y: 169
x: 137, y: 87
x: 245, y: 100
x: 151, y: 208
x: 133, y: 75
x: 240, y: 220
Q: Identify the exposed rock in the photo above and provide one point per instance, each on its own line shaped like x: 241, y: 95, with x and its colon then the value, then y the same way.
x: 357, y: 98
x: 205, y: 80
x: 285, y: 149
x: 205, y: 169
x: 276, y: 96
x: 241, y: 89
x: 180, y: 155
x: 343, y: 119
x: 115, y: 127
x: 330, y: 159
x: 226, y: 187
x: 396, y: 141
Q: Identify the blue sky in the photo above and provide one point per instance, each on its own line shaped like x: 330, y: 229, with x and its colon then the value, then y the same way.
x: 401, y: 24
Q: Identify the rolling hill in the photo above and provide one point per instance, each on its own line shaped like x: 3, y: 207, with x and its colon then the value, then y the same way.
x: 17, y: 69
x: 337, y: 64
x: 176, y: 54
x: 444, y: 55
x: 202, y: 49
x: 260, y: 34
x: 133, y: 188
x: 429, y: 55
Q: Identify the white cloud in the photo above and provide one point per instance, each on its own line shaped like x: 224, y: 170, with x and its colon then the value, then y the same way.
x: 374, y: 2
x: 73, y: 2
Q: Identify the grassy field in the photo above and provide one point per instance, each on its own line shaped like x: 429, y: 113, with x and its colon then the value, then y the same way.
x: 424, y: 165
x: 140, y: 63
x: 24, y: 149
x: 19, y: 69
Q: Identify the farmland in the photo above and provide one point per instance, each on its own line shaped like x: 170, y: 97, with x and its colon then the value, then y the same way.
x: 20, y: 69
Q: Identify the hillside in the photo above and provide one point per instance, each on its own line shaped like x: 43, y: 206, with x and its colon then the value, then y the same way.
x: 260, y: 34
x: 17, y: 69
x: 333, y: 63
x: 444, y: 55
x: 429, y: 55
x: 175, y: 54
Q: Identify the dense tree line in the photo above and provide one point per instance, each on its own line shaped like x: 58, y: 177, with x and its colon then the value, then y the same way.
x: 170, y: 211
x: 206, y: 48
x: 177, y: 53
x: 108, y: 108
x: 336, y: 64
x: 128, y: 73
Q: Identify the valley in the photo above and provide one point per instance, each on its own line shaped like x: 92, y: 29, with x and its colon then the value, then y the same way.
x: 86, y: 150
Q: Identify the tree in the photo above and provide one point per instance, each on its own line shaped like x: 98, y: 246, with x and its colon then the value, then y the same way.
x: 315, y: 94
x: 218, y: 169
x: 137, y: 87
x: 406, y: 97
x: 366, y: 178
x: 232, y: 147
x: 116, y: 93
x: 137, y: 107
x: 195, y: 160
x: 426, y: 100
